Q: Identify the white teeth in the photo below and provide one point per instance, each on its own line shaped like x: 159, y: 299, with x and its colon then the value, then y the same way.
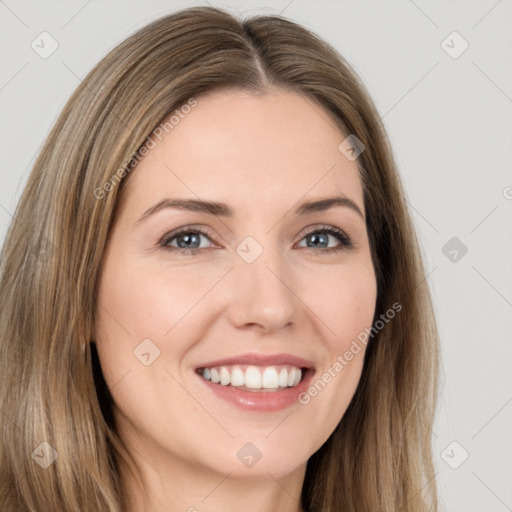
x: 225, y: 376
x: 237, y: 377
x: 269, y: 378
x: 254, y: 377
x: 291, y: 377
x: 283, y: 377
x: 214, y: 375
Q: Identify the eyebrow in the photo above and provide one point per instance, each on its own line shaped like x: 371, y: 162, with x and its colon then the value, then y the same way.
x: 223, y: 210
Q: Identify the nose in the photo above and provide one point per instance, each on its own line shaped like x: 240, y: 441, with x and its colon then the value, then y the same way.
x: 263, y: 295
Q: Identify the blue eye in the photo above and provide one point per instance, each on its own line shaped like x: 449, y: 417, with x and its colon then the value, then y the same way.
x: 321, y: 236
x: 188, y: 240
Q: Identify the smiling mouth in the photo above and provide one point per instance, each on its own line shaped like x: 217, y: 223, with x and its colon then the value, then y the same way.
x: 255, y: 378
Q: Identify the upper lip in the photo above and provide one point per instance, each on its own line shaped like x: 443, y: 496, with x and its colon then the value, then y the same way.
x: 260, y: 360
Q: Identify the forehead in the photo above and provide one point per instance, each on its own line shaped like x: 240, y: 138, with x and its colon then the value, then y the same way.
x: 277, y: 147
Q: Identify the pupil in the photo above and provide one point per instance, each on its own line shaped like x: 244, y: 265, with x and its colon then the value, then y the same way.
x: 315, y: 238
x: 188, y: 239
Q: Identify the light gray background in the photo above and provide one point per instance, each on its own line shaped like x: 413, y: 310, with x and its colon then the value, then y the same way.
x: 450, y: 124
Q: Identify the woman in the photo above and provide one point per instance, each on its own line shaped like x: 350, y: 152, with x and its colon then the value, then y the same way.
x: 175, y: 334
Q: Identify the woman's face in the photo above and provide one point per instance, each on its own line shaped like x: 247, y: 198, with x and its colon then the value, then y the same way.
x: 259, y: 298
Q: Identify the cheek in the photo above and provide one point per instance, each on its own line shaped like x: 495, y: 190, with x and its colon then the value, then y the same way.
x: 345, y: 305
x: 140, y: 302
x: 148, y: 300
x: 343, y: 300
x: 156, y: 301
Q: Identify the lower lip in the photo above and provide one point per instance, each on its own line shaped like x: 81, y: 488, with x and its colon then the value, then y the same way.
x: 261, y: 401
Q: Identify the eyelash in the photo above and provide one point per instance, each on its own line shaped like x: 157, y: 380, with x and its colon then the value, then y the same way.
x: 346, y: 242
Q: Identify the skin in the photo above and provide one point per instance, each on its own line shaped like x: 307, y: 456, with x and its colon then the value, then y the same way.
x: 262, y: 155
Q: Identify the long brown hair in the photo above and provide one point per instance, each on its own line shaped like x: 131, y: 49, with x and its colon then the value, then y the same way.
x: 379, y: 456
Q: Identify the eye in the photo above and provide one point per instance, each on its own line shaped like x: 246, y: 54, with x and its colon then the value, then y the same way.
x: 187, y: 240
x: 320, y: 236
